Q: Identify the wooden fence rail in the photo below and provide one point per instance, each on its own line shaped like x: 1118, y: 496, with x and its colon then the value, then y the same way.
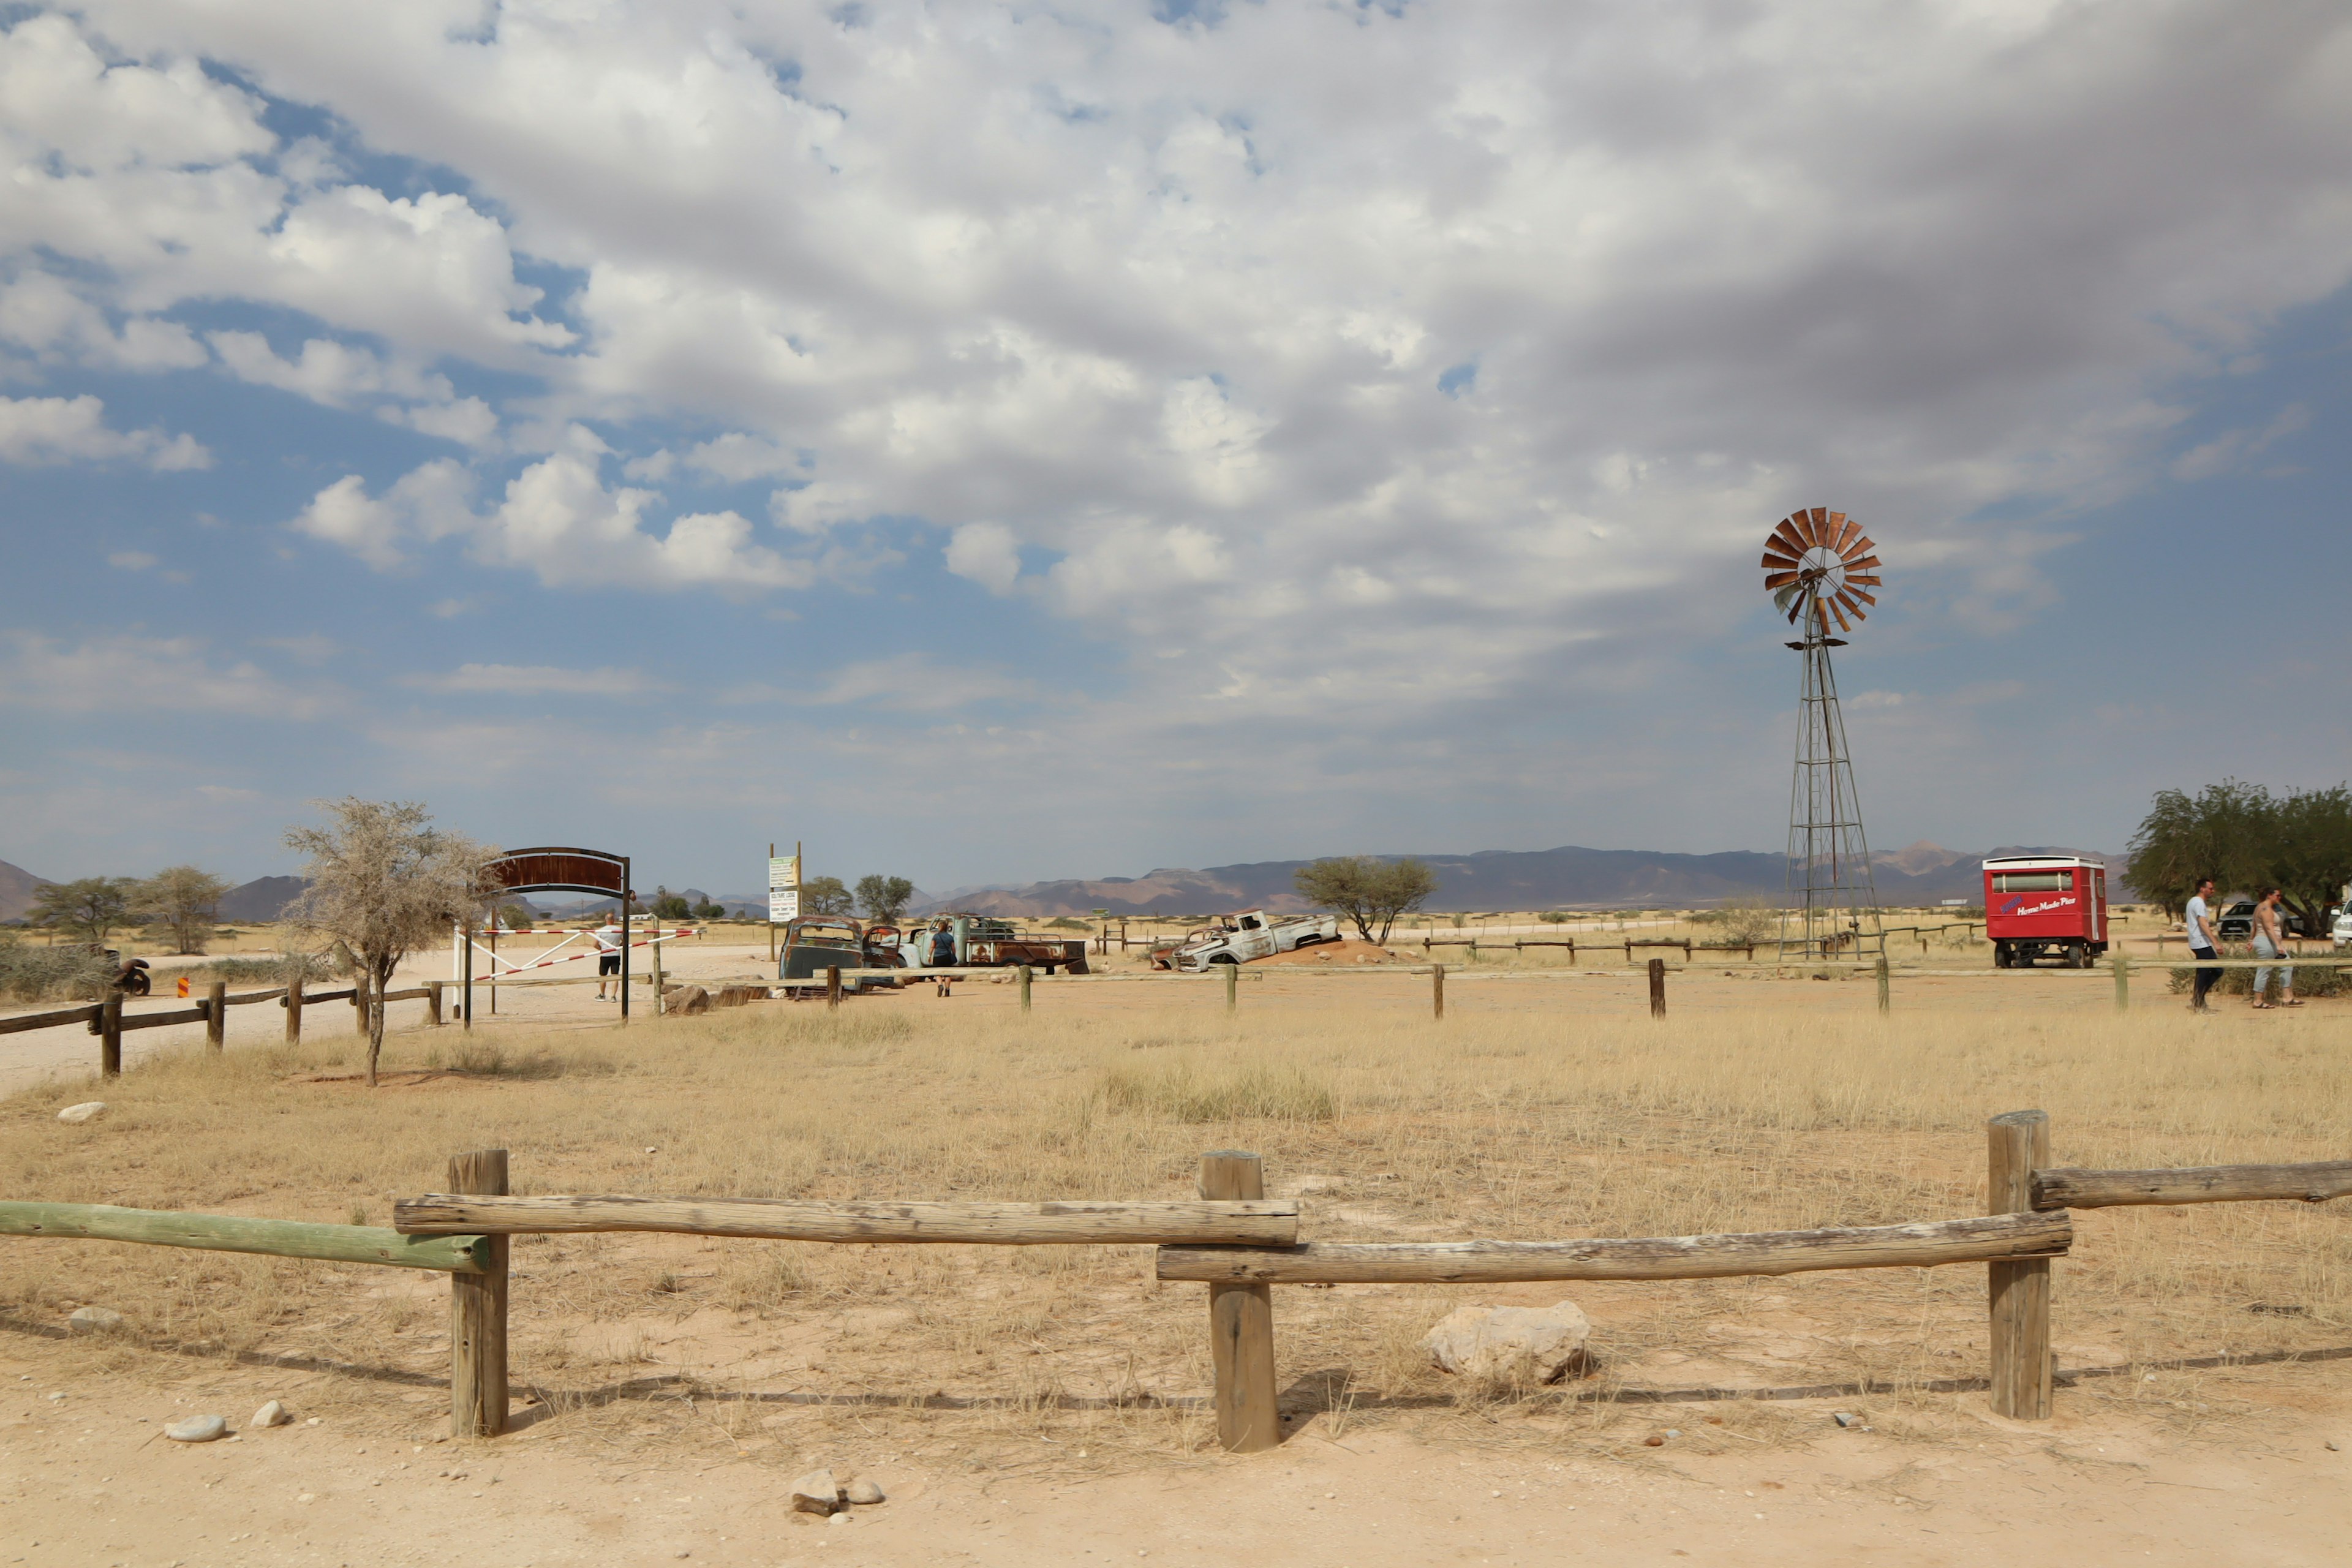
x: 2315, y: 1183
x: 237, y: 1233
x: 1265, y: 1221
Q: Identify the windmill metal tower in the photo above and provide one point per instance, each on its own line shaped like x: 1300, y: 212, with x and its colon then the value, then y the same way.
x: 1817, y: 566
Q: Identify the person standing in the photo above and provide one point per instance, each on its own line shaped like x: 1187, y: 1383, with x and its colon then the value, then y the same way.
x: 943, y: 954
x: 2270, y: 942
x: 608, y: 956
x: 2203, y: 942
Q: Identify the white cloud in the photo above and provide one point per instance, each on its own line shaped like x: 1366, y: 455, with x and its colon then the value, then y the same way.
x: 986, y: 553
x: 42, y: 314
x: 37, y: 430
x: 116, y: 674
x: 540, y: 679
x: 558, y: 521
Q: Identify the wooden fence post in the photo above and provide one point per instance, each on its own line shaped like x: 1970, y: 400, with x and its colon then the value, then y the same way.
x: 1024, y: 972
x: 1885, y: 995
x: 477, y: 1313
x: 294, y: 1014
x: 656, y: 945
x: 216, y: 1014
x: 433, y: 1003
x: 109, y: 1036
x: 2121, y: 963
x: 1232, y: 986
x: 2020, y: 1291
x: 1657, y: 987
x: 833, y: 985
x: 1241, y: 1324
x: 1437, y: 991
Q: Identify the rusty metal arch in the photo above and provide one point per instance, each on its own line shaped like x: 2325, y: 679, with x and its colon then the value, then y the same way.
x: 561, y: 868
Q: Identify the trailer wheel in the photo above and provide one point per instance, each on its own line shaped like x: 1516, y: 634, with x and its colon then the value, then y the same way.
x: 2000, y: 959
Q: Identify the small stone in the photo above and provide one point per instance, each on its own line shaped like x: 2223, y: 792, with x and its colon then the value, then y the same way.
x: 816, y: 1492
x: 1846, y: 1418
x: 1673, y: 1432
x: 1653, y: 1441
x: 838, y: 1519
x: 275, y: 1414
x: 84, y: 1111
x: 864, y: 1489
x: 306, y: 1497
x: 1538, y: 1344
x: 197, y: 1428
x: 93, y: 1320
x: 2331, y: 1445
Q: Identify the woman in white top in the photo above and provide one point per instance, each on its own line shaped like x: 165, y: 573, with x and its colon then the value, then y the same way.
x: 2270, y: 942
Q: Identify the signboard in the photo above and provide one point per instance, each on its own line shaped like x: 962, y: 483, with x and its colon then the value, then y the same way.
x: 784, y: 887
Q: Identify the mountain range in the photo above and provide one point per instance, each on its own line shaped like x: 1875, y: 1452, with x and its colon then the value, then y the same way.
x: 1568, y: 877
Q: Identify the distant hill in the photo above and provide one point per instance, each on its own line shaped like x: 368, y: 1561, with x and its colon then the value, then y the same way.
x: 1565, y: 879
x: 17, y: 887
x: 263, y: 898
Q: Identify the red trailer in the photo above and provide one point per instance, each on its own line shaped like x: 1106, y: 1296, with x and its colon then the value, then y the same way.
x: 2039, y: 906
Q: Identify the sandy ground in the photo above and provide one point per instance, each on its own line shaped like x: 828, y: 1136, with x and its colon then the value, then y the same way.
x: 89, y: 1481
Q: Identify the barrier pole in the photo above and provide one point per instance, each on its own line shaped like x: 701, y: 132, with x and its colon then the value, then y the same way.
x: 1241, y: 1324
x: 478, y: 1313
x: 2019, y: 1292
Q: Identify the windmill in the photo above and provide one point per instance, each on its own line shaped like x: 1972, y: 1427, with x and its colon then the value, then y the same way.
x: 1818, y: 567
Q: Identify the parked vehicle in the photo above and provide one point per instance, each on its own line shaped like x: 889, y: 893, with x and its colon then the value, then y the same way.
x: 2236, y: 922
x: 2340, y: 931
x: 814, y: 944
x: 1252, y: 934
x: 2046, y: 906
x: 988, y: 941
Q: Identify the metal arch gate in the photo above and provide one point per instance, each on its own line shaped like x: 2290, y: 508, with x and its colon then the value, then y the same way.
x: 555, y: 868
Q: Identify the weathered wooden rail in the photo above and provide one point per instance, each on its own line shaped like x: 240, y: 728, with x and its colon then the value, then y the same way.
x: 1234, y: 1239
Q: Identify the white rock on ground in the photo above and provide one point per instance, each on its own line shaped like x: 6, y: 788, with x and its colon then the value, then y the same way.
x: 273, y: 1414
x: 1539, y: 1345
x: 84, y: 1111
x: 197, y: 1428
x: 93, y: 1320
x: 817, y: 1492
x: 864, y: 1489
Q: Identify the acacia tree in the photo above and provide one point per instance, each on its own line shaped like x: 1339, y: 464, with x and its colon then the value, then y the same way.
x: 89, y: 906
x: 884, y: 898
x: 2246, y: 838
x: 1367, y: 889
x: 825, y: 896
x: 186, y: 899
x: 382, y: 883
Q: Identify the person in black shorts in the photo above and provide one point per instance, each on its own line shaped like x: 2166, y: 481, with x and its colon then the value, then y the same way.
x: 608, y: 957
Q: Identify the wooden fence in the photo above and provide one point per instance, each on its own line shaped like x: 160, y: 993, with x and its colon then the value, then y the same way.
x: 1234, y: 1239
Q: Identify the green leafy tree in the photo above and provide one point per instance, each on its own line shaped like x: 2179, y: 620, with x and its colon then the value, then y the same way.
x: 706, y: 911
x: 184, y: 901
x: 514, y: 917
x: 1366, y: 889
x: 89, y: 907
x: 2244, y: 837
x: 382, y: 883
x: 826, y: 896
x: 884, y: 898
x: 669, y: 906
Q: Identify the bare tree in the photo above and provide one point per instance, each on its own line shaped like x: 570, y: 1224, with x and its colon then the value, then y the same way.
x: 384, y: 883
x: 186, y: 899
x: 90, y: 907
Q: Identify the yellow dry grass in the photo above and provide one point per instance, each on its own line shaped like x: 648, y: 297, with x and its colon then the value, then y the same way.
x: 1571, y: 1116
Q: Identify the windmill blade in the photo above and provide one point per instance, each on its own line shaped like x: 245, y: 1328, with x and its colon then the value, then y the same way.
x: 1843, y: 624
x: 1798, y: 601
x: 1820, y: 515
x: 1855, y: 593
x: 1861, y: 562
x: 1785, y: 538
x: 1780, y: 600
x: 1775, y: 561
x: 1805, y: 528
x: 1781, y: 579
x: 1860, y: 543
x: 1852, y: 608
x: 1847, y: 532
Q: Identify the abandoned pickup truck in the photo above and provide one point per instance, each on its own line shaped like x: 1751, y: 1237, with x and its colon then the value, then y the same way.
x: 1252, y: 934
x: 985, y: 942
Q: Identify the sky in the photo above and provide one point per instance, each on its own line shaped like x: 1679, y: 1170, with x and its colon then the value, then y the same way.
x: 989, y: 442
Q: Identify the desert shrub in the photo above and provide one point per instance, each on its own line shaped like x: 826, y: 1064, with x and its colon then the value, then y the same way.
x: 35, y: 973
x: 1554, y: 917
x: 1185, y: 1092
x: 2310, y: 978
x: 244, y: 971
x: 1743, y: 920
x: 1063, y: 922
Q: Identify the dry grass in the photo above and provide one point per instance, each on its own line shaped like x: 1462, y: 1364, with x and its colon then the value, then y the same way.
x: 1548, y: 1124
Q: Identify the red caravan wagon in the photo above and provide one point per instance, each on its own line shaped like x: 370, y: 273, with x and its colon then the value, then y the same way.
x: 2040, y: 906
